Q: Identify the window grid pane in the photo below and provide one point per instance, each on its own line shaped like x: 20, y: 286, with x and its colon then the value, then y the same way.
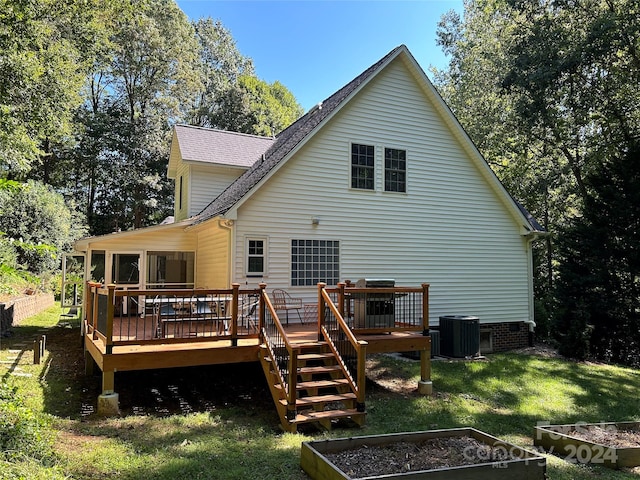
x: 362, y: 166
x: 314, y: 261
x: 255, y: 257
x: 395, y: 170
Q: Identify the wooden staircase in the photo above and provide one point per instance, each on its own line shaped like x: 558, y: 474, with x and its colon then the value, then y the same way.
x: 323, y: 393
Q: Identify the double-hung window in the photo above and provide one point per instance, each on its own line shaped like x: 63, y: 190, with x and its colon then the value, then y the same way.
x: 362, y: 166
x: 256, y: 255
x: 395, y: 170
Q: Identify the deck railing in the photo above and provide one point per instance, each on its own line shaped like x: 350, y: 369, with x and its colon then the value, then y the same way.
x: 350, y: 352
x: 283, y: 353
x: 382, y: 310
x: 135, y: 317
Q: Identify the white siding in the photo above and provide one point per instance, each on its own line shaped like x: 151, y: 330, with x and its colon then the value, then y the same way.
x: 449, y: 230
x: 207, y: 182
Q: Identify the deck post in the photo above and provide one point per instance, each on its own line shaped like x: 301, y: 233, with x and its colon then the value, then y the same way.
x: 263, y: 307
x: 234, y: 314
x: 341, y: 287
x: 108, y: 401
x: 321, y: 320
x: 425, y: 385
x: 110, y: 311
x: 94, y: 310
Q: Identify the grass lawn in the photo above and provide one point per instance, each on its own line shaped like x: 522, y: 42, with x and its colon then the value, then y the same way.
x: 219, y: 423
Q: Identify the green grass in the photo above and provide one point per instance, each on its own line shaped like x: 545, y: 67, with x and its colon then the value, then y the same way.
x: 504, y: 396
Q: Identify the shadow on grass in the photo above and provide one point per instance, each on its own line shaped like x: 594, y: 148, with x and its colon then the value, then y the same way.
x: 220, y: 422
x: 510, y: 393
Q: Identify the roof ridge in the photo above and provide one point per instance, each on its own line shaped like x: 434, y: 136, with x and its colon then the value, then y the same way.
x: 219, y: 130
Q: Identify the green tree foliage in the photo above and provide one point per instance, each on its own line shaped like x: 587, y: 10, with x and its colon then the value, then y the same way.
x: 90, y: 89
x: 45, y: 47
x: 549, y: 92
x: 37, y: 223
x: 233, y: 98
x: 139, y: 87
x: 221, y: 65
x: 256, y: 107
x: 598, y: 309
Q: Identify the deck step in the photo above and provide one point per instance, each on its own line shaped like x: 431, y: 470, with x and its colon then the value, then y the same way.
x: 310, y: 345
x: 322, y: 383
x: 312, y: 416
x: 308, y: 401
x: 315, y: 356
x: 319, y: 369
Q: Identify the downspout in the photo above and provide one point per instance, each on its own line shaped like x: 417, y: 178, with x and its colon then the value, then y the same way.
x: 227, y: 225
x: 531, y: 237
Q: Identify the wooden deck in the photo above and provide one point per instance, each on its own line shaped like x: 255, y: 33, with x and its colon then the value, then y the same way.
x: 119, y: 341
x: 220, y: 350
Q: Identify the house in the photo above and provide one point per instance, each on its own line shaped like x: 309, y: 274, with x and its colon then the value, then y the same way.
x: 377, y: 181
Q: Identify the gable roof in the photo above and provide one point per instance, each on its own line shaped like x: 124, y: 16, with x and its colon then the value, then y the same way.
x: 285, y: 142
x: 301, y: 130
x: 207, y: 145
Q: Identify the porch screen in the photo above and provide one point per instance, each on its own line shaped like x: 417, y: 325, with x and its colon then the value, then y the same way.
x: 314, y: 261
x: 170, y: 269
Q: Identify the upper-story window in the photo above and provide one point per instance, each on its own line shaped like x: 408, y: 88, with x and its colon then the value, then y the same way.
x: 362, y: 166
x: 395, y: 170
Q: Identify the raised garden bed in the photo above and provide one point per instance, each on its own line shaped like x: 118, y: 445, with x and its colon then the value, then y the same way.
x: 612, y: 444
x: 453, y: 454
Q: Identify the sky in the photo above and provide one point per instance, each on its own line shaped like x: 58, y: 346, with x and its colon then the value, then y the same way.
x: 315, y: 47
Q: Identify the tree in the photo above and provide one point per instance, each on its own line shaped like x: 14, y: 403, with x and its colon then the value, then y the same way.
x: 141, y: 84
x: 45, y: 57
x: 233, y: 98
x: 220, y: 66
x: 598, y: 309
x: 38, y: 224
x: 256, y: 107
x: 557, y: 81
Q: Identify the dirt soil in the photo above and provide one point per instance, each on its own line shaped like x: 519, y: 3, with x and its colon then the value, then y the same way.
x: 608, y: 436
x: 160, y: 392
x: 403, y: 457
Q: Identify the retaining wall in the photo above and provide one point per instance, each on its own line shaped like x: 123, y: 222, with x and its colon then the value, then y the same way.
x: 13, y: 311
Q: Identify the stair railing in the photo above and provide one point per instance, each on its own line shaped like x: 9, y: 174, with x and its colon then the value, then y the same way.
x: 350, y: 352
x: 283, y: 354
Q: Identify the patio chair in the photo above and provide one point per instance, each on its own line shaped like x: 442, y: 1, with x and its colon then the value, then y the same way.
x: 283, y: 301
x: 72, y: 314
x: 248, y: 313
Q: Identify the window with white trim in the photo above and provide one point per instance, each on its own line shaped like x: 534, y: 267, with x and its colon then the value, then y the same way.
x: 362, y: 166
x: 314, y: 261
x: 256, y: 256
x: 395, y: 170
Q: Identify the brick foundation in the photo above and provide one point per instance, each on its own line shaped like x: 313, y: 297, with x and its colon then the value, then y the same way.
x: 14, y: 311
x: 504, y: 336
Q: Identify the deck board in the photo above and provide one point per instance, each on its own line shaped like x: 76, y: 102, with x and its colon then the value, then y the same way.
x: 211, y: 350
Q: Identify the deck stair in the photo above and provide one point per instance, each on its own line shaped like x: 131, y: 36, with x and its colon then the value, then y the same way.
x: 323, y: 393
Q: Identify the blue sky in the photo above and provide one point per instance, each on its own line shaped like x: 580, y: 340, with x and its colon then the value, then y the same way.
x: 314, y: 47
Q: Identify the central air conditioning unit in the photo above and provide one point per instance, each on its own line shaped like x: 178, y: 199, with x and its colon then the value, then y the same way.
x: 459, y: 336
x: 374, y: 310
x: 435, y: 343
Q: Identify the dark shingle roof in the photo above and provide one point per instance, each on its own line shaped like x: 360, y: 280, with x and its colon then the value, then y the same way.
x: 285, y: 142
